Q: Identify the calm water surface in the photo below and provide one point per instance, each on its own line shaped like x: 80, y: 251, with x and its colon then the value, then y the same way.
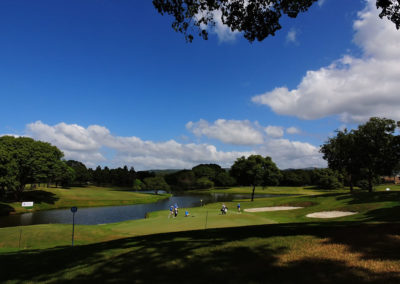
x: 112, y: 214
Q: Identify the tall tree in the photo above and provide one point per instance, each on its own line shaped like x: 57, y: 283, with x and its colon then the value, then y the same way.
x: 367, y: 152
x: 156, y: 183
x: 255, y: 171
x: 257, y: 19
x: 81, y: 172
x: 341, y: 153
x: 379, y: 148
x: 32, y: 161
x: 8, y: 171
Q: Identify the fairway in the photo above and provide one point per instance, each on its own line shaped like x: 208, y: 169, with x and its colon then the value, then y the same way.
x: 238, y: 247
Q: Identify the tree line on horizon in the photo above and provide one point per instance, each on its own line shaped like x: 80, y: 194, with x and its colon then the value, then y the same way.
x: 355, y: 158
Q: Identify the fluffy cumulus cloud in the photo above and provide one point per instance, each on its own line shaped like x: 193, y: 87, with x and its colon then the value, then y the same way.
x: 89, y: 145
x: 292, y: 154
x: 353, y: 88
x: 293, y: 130
x: 77, y: 142
x: 274, y: 131
x: 95, y: 145
x: 236, y: 132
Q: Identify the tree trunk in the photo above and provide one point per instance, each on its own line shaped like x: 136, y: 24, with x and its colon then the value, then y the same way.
x: 2, y: 192
x: 369, y: 181
x: 18, y: 192
x: 252, y: 194
x: 351, y: 183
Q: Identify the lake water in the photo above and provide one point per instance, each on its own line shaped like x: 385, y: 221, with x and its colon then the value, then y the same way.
x: 112, y: 214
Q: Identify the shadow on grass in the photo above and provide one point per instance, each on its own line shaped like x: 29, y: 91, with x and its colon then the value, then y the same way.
x: 390, y: 214
x: 40, y: 196
x: 370, y: 197
x: 232, y: 255
x: 5, y: 209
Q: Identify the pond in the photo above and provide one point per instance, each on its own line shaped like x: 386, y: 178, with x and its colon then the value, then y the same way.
x: 112, y: 214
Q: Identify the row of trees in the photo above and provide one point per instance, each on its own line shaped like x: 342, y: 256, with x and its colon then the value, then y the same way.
x: 364, y: 154
x: 321, y: 178
x: 356, y: 157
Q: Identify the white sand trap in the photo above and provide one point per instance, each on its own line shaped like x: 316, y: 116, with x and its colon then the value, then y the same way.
x: 276, y: 208
x: 330, y: 214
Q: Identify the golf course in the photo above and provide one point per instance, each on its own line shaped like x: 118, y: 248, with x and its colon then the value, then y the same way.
x: 206, y: 246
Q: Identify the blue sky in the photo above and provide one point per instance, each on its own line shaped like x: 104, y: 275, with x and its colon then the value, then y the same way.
x: 110, y: 83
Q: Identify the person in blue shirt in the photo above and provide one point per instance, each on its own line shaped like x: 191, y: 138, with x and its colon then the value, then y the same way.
x: 238, y: 207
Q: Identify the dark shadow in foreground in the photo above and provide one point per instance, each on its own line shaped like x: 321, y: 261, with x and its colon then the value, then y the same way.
x: 212, y: 256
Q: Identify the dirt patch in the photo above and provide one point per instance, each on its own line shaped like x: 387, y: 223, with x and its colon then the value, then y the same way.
x: 330, y: 214
x: 275, y: 208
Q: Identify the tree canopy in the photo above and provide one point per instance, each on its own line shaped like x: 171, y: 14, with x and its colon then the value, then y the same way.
x: 156, y: 183
x: 370, y: 151
x: 255, y: 171
x: 81, y: 172
x: 256, y: 19
x: 24, y: 160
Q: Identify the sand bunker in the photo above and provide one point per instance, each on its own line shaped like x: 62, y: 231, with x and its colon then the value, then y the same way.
x: 330, y: 214
x: 276, y: 208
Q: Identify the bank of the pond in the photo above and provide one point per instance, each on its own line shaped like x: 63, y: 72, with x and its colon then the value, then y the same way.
x: 113, y: 214
x: 375, y: 207
x: 91, y: 196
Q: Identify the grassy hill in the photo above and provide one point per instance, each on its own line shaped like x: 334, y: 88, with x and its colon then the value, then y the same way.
x: 263, y: 247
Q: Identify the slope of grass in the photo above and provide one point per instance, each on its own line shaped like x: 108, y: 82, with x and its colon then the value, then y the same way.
x: 376, y: 207
x: 298, y: 190
x: 281, y: 253
x: 263, y: 247
x: 52, y: 198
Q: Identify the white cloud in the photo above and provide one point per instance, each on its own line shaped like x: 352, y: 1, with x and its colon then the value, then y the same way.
x: 87, y: 144
x: 291, y: 36
x: 292, y: 154
x: 293, y: 130
x: 223, y: 32
x: 353, y: 88
x: 236, y: 132
x: 13, y: 135
x: 274, y: 131
x: 90, y: 144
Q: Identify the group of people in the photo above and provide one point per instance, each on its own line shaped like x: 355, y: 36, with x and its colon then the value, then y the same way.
x: 224, y: 209
x: 173, y: 211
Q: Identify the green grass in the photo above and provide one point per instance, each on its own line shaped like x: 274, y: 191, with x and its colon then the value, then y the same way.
x: 280, y: 253
x: 53, y: 198
x: 375, y: 207
x: 298, y: 190
x: 263, y: 247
